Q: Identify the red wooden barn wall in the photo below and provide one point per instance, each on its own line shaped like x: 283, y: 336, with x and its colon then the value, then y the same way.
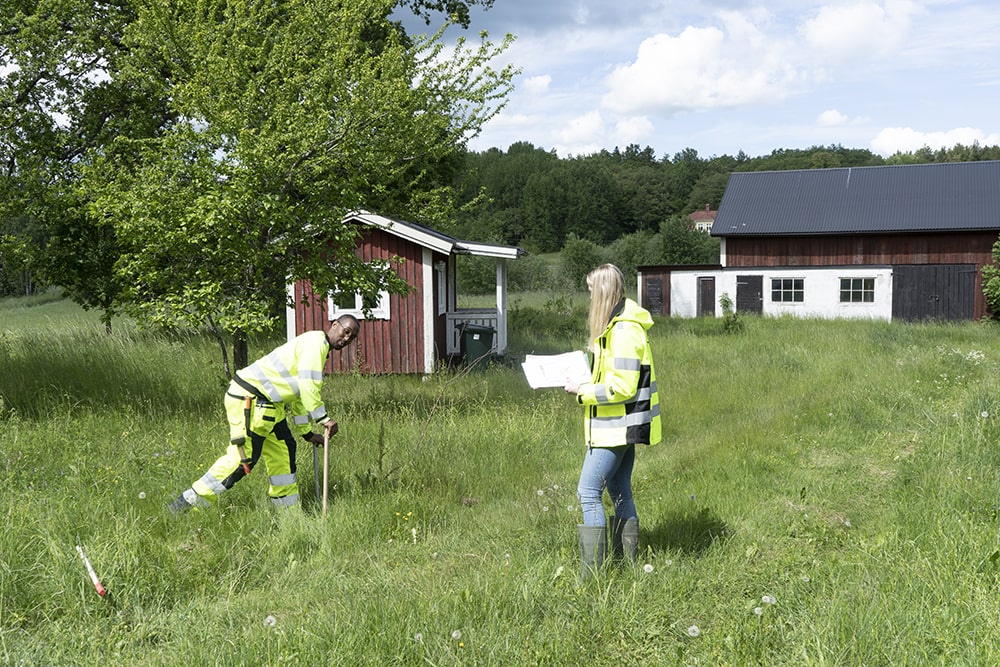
x: 885, y: 249
x: 383, y: 346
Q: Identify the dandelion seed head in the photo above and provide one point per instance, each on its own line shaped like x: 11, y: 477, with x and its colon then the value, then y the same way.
x: 270, y: 621
x: 984, y: 414
x: 545, y: 508
x: 647, y: 568
x: 142, y: 495
x: 540, y: 492
x: 693, y: 631
x: 768, y: 599
x: 419, y: 637
x: 456, y: 634
x: 559, y: 571
x: 555, y: 487
x: 758, y: 610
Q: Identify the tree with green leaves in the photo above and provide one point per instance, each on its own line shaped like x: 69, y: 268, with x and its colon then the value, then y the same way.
x: 185, y: 159
x: 285, y: 117
x: 682, y: 244
x: 991, y: 283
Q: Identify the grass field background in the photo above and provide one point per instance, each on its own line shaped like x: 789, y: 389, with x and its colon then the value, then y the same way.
x: 826, y: 494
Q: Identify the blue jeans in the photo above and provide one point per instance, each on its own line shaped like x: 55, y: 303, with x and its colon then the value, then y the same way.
x: 610, y: 468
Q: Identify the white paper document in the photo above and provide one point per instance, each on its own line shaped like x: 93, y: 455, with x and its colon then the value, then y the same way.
x: 552, y: 370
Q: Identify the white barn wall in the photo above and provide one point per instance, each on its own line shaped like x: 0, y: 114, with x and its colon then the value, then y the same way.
x: 821, y: 291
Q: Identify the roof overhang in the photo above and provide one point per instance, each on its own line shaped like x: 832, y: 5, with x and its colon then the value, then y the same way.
x: 488, y: 250
x: 419, y: 235
x: 428, y: 238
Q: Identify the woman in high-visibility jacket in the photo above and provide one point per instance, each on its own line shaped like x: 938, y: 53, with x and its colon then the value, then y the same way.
x: 621, y: 410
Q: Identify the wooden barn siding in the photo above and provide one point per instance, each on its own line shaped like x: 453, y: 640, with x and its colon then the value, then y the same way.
x: 885, y: 249
x: 383, y: 346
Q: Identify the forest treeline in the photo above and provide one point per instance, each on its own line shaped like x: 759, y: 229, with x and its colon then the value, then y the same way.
x: 626, y: 206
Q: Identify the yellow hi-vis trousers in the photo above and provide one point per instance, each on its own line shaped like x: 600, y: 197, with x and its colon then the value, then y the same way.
x: 260, y: 427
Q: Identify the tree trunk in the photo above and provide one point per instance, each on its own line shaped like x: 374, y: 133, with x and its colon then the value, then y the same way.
x: 222, y: 346
x: 240, y: 354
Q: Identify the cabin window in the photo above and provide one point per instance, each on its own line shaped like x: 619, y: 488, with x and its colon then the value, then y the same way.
x: 857, y: 290
x: 346, y: 303
x: 787, y: 290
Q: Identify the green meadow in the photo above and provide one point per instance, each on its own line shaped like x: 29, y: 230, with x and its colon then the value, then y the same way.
x: 825, y: 494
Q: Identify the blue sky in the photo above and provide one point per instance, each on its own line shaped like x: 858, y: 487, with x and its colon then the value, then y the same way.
x: 721, y: 76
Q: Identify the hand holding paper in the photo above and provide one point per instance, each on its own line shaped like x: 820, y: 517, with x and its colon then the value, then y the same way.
x: 552, y: 370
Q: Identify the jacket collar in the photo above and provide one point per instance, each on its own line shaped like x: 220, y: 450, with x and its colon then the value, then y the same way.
x: 616, y: 311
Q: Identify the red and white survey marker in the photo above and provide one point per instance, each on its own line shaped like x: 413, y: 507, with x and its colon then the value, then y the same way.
x: 90, y: 571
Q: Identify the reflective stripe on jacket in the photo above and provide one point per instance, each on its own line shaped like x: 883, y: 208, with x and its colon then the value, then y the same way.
x: 293, y: 372
x: 623, y: 407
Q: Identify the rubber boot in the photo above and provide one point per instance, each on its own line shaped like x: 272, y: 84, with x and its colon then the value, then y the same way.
x: 624, y: 539
x: 593, y: 547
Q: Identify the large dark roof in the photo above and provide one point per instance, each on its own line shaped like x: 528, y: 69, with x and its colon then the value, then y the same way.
x: 951, y: 196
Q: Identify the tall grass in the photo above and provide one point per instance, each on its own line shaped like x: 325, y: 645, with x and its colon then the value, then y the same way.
x: 845, y: 471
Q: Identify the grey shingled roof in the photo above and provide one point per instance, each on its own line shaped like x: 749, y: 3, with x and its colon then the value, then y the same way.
x: 952, y: 196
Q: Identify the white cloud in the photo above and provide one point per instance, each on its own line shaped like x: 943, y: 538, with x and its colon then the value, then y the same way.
x: 904, y: 139
x: 536, y: 85
x: 831, y: 118
x: 858, y: 29
x: 701, y: 68
x: 632, y: 130
x: 582, y: 129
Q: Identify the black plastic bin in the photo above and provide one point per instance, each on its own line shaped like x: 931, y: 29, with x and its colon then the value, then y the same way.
x: 477, y: 343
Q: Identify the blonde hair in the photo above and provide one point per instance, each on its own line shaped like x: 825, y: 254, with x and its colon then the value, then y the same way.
x: 607, y: 288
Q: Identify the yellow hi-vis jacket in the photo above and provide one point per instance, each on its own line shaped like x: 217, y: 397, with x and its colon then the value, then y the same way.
x: 622, y: 405
x: 292, y: 373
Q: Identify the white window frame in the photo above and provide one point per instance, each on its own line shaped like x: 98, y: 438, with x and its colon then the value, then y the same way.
x: 788, y: 291
x: 863, y: 291
x: 379, y: 312
x: 441, y: 273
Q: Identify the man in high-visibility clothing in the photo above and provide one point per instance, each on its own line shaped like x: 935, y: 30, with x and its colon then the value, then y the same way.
x: 268, y: 403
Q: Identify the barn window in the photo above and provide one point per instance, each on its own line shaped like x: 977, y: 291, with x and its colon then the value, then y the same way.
x: 787, y: 290
x: 353, y: 304
x: 857, y: 290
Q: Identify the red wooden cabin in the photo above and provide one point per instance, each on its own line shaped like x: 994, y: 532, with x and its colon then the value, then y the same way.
x: 415, y: 332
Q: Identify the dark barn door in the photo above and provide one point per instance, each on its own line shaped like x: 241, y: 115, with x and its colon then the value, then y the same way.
x: 653, y: 296
x: 933, y: 291
x: 750, y: 294
x: 706, y: 297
